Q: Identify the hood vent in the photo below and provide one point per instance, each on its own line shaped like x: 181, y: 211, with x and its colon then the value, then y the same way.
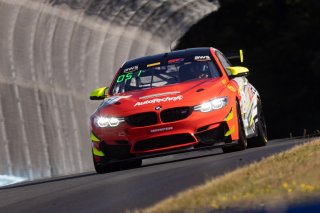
x: 199, y: 90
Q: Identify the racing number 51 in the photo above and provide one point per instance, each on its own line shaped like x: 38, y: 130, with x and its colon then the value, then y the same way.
x: 127, y: 76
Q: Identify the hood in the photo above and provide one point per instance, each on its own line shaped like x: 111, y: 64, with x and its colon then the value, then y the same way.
x: 183, y: 94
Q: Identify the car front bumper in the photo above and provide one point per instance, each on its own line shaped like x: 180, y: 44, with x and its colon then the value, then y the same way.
x: 197, y: 129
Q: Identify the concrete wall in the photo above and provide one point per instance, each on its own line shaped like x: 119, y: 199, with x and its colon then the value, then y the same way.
x: 53, y: 53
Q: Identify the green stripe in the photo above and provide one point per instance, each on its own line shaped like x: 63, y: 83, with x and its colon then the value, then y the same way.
x: 97, y: 152
x: 94, y: 138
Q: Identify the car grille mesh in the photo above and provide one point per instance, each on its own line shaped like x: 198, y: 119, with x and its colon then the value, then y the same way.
x: 150, y: 118
x: 142, y: 119
x: 175, y: 114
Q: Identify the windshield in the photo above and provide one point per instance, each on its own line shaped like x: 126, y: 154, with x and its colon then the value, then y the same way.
x: 158, y: 76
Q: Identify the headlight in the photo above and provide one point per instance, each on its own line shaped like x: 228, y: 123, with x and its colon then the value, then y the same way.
x: 102, y: 121
x: 214, y: 104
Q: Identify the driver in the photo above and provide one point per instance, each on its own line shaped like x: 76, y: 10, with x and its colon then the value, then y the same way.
x: 195, y: 70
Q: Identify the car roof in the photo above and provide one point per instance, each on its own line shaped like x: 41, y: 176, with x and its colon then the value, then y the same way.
x: 164, y: 57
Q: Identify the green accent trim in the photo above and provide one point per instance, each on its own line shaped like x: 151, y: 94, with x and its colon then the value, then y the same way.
x: 97, y: 152
x: 238, y: 71
x: 229, y: 116
x: 229, y: 132
x: 251, y: 120
x: 94, y: 138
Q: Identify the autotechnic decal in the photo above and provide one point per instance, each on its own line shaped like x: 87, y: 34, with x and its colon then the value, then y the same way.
x: 159, y: 95
x: 202, y: 58
x: 131, y: 69
x: 159, y: 100
x: 112, y: 100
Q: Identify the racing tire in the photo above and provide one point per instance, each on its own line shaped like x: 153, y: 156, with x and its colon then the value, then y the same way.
x: 261, y: 128
x: 242, y: 142
x: 106, y: 166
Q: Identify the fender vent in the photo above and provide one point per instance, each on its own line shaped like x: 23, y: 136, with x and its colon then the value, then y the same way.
x: 200, y: 90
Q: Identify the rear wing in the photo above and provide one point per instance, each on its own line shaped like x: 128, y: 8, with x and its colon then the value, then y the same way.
x: 235, y: 55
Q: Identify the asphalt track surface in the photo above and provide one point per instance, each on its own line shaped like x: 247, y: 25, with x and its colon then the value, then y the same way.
x: 157, y: 179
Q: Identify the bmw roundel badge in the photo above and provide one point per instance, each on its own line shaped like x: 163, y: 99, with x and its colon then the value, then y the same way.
x: 158, y: 108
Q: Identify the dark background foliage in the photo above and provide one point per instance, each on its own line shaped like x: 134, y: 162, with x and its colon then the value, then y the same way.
x: 281, y: 43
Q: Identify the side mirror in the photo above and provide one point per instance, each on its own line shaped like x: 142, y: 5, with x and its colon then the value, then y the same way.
x: 99, y: 94
x: 238, y: 71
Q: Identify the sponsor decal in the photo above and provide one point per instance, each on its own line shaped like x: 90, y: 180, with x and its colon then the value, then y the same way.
x: 159, y: 95
x: 112, y: 100
x: 176, y: 60
x: 131, y: 69
x: 252, y: 92
x: 159, y: 100
x: 161, y: 129
x: 202, y: 58
x: 153, y: 64
x: 157, y: 108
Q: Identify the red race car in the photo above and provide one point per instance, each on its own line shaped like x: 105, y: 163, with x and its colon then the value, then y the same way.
x: 172, y: 102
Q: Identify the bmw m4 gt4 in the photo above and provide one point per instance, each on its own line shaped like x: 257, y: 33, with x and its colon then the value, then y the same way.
x: 172, y: 102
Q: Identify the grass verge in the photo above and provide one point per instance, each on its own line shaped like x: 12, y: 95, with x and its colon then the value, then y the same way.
x: 276, y: 182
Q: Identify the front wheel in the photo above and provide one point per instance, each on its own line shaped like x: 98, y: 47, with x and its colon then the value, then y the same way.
x: 242, y: 142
